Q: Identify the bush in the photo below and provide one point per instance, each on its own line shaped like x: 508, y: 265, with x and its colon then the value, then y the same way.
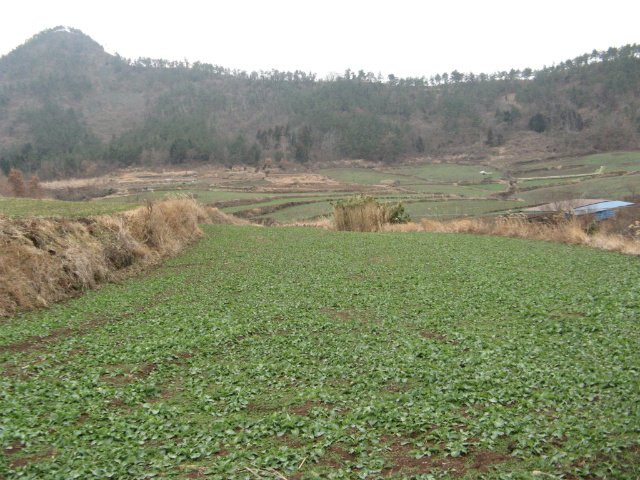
x: 398, y: 214
x: 538, y: 123
x: 363, y: 213
x: 16, y: 182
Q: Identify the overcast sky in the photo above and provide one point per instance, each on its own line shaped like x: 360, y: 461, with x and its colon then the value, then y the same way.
x: 400, y: 37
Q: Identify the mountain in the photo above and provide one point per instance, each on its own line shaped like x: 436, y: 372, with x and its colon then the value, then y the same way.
x: 67, y: 107
x: 65, y: 68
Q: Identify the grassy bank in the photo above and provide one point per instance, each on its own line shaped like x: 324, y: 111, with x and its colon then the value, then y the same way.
x: 305, y: 354
x: 622, y: 235
x: 44, y: 260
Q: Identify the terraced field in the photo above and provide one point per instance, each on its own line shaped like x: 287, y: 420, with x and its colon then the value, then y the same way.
x: 453, y: 208
x: 303, y: 354
x: 628, y: 161
x: 605, y: 187
x: 428, y: 190
x: 454, y: 189
x: 28, y: 207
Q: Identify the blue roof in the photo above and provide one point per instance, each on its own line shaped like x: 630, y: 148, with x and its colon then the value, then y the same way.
x: 600, y: 207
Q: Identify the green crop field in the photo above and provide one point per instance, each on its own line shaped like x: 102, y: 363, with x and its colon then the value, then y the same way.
x: 362, y: 176
x: 485, y: 187
x: 477, y: 190
x: 277, y: 202
x: 302, y: 212
x: 415, y: 175
x: 303, y: 354
x: 458, y: 207
x: 613, y: 161
x: 605, y: 187
x: 27, y: 207
x: 566, y: 172
x: 447, y: 172
x: 545, y: 182
x: 203, y: 196
x: 628, y: 161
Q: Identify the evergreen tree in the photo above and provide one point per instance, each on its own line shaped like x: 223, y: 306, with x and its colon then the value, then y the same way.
x: 303, y: 144
x: 538, y: 123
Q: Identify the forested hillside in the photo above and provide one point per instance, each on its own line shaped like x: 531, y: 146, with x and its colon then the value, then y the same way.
x: 67, y: 107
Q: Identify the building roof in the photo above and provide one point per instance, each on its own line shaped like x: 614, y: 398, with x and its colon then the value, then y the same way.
x: 600, y: 207
x: 580, y: 206
x: 566, y: 205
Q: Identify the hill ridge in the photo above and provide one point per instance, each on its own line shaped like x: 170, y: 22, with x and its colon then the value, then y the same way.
x: 64, y: 101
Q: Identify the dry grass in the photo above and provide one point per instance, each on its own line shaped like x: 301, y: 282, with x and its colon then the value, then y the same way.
x: 43, y: 260
x: 164, y: 227
x: 403, y: 227
x: 324, y: 223
x: 569, y: 230
x: 360, y: 214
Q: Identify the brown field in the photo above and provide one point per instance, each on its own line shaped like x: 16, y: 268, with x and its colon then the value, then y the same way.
x: 135, y: 180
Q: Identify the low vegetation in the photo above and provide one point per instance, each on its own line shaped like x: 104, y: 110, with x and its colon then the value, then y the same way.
x: 621, y: 234
x: 46, y: 259
x: 28, y: 207
x: 306, y: 354
x: 360, y: 214
x: 558, y: 228
x: 365, y: 214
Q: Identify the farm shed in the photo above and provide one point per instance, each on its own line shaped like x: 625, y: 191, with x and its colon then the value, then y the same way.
x: 601, y: 208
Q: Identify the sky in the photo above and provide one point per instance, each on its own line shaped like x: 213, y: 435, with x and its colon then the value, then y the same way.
x: 399, y: 37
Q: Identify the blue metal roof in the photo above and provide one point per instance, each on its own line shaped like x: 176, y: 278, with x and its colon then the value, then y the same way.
x: 600, y: 207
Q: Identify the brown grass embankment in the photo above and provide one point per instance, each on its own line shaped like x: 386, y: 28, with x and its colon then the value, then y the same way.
x: 44, y: 260
x: 561, y: 229
x: 323, y: 223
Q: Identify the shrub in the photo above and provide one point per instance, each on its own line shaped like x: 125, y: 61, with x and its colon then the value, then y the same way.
x: 34, y: 190
x: 592, y: 228
x: 17, y: 184
x: 538, y: 123
x: 398, y: 214
x: 363, y: 213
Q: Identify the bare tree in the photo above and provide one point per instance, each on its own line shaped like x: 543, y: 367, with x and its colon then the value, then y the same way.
x: 16, y: 182
x: 34, y: 189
